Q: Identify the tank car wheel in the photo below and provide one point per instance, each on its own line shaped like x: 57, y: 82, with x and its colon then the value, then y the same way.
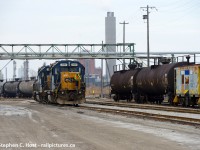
x: 170, y: 101
x: 171, y: 98
x: 160, y: 101
x: 186, y: 102
x: 137, y: 98
x: 193, y: 101
x: 116, y: 98
x: 183, y: 102
x: 145, y: 99
x: 130, y: 98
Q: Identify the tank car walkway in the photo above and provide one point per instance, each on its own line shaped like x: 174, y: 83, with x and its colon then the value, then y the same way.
x: 33, y: 126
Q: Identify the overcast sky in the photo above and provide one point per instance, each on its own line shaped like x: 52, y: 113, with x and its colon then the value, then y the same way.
x: 174, y: 27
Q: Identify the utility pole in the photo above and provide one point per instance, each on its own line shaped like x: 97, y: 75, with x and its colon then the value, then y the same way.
x: 124, y: 23
x: 6, y: 75
x: 102, y: 73
x: 147, y: 17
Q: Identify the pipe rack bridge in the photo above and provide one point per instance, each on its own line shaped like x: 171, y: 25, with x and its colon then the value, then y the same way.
x: 83, y: 51
x: 67, y: 51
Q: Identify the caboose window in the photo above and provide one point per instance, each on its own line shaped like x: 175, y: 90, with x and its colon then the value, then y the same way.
x: 182, y: 79
x: 187, y: 80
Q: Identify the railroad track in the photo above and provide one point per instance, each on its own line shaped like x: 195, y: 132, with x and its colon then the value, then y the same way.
x: 167, y: 118
x: 143, y: 106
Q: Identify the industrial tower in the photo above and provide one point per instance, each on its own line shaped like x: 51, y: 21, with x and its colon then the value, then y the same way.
x: 110, y: 38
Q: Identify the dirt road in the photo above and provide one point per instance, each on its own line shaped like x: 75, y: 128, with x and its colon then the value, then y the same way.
x: 29, y: 125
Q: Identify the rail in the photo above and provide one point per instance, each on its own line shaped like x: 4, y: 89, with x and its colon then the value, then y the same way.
x: 143, y: 106
x: 158, y: 117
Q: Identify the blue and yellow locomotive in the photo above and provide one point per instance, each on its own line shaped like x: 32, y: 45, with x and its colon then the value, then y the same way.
x: 42, y: 84
x: 62, y: 82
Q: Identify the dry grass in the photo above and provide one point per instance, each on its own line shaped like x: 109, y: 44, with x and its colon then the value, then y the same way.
x: 93, y: 90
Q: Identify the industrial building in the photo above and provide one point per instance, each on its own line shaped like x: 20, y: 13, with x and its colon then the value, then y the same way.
x: 92, y: 74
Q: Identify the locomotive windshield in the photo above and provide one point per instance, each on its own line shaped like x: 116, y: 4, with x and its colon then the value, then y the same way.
x: 70, y: 69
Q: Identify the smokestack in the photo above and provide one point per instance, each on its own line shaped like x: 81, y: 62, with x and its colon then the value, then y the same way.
x: 26, y: 69
x: 14, y: 69
x: 110, y: 38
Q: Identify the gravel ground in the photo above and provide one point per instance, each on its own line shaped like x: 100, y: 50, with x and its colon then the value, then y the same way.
x: 31, y: 125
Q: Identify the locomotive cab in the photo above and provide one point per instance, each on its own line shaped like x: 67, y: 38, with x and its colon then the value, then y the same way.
x: 67, y: 83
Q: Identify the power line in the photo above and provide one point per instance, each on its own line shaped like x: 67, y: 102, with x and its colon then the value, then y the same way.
x: 178, y: 7
x: 179, y: 19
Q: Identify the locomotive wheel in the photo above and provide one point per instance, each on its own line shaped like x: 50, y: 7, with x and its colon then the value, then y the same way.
x: 183, y: 102
x: 171, y: 98
x: 45, y: 99
x: 144, y: 99
x: 186, y: 101
x: 170, y: 101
